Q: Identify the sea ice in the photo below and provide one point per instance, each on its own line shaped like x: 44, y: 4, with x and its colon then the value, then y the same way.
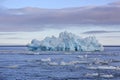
x: 91, y: 74
x: 13, y: 66
x: 53, y: 63
x: 105, y: 67
x: 107, y: 76
x: 46, y: 60
x: 99, y: 74
x: 66, y: 42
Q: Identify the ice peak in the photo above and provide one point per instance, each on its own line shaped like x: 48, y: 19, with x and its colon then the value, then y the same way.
x: 66, y: 34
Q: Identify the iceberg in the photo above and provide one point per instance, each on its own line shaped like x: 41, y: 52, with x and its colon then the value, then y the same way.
x: 66, y: 42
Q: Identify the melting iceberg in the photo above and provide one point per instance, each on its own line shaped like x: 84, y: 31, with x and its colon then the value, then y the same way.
x: 66, y: 42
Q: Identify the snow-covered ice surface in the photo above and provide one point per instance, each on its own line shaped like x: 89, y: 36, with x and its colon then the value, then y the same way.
x: 66, y: 42
x: 103, y: 65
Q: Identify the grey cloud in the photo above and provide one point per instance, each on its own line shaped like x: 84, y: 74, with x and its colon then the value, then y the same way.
x: 117, y: 3
x: 12, y: 38
x: 7, y: 33
x: 34, y: 19
x: 111, y: 36
x: 100, y: 32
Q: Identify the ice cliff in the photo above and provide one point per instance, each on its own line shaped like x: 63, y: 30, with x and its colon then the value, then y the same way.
x: 66, y: 42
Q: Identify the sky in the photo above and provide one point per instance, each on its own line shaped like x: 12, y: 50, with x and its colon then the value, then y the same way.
x: 53, y: 4
x: 24, y: 20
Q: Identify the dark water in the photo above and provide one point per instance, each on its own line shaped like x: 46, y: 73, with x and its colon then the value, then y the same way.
x: 17, y: 64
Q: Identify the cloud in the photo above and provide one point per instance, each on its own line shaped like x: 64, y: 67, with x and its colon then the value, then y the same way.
x: 117, y: 3
x: 111, y: 36
x: 7, y: 33
x: 34, y: 19
x: 100, y: 32
x: 13, y: 38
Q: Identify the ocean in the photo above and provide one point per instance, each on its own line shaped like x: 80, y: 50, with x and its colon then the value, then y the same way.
x: 18, y: 63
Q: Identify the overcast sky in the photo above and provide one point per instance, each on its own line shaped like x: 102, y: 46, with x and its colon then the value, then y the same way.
x: 23, y: 20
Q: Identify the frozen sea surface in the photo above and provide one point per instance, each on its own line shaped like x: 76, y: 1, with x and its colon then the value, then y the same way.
x: 17, y: 64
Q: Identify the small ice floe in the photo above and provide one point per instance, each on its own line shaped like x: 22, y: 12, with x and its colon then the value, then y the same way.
x: 82, y: 56
x: 106, y: 76
x: 67, y: 53
x: 102, y: 62
x: 30, y: 60
x: 85, y: 56
x: 91, y: 67
x: 99, y: 75
x: 71, y: 63
x: 36, y: 53
x: 97, y: 60
x: 91, y: 75
x: 53, y: 63
x: 46, y: 60
x: 113, y: 60
x: 78, y: 62
x: 105, y: 67
x: 66, y: 63
x: 74, y: 62
x: 12, y: 66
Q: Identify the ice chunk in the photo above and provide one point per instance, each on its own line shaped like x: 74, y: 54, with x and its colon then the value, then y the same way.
x: 66, y: 63
x: 82, y: 56
x: 46, y: 60
x: 107, y: 76
x: 72, y: 63
x: 66, y: 42
x: 99, y: 74
x: 13, y: 66
x: 53, y: 63
x: 91, y: 75
x: 105, y: 67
